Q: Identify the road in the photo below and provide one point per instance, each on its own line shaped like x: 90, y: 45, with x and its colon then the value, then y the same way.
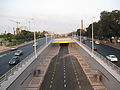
x: 65, y: 73
x: 105, y: 50
x: 7, y: 55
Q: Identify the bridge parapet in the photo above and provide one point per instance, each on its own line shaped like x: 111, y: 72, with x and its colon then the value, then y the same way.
x: 63, y: 40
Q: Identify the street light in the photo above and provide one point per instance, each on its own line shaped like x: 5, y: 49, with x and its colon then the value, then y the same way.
x: 46, y: 38
x: 81, y: 30
x: 35, y: 45
x: 92, y: 37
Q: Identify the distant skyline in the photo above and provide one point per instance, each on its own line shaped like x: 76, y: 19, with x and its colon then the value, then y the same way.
x: 54, y: 15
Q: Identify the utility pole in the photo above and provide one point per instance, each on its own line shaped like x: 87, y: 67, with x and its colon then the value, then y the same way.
x: 35, y: 45
x: 81, y: 29
x: 46, y: 38
x: 92, y: 37
x: 29, y: 25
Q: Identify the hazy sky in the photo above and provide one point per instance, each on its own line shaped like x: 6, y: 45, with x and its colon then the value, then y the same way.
x: 53, y: 15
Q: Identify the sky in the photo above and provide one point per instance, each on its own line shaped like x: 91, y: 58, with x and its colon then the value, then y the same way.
x: 53, y: 15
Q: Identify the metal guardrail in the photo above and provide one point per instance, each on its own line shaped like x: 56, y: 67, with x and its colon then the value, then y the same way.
x: 109, y: 63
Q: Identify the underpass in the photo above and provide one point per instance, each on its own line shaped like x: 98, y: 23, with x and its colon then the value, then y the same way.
x: 65, y: 73
x: 66, y: 65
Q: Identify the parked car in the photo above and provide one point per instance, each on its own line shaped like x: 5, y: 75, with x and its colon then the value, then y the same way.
x: 18, y: 52
x: 14, y: 60
x: 14, y: 48
x: 112, y: 58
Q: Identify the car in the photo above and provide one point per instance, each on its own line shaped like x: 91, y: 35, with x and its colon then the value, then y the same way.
x: 18, y: 52
x: 97, y: 42
x: 14, y: 48
x: 14, y: 60
x: 112, y: 58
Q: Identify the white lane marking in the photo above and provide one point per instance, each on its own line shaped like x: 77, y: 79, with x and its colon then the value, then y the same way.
x: 78, y: 82
x: 50, y: 86
x: 64, y: 76
x: 52, y: 75
x: 79, y: 86
x: 65, y: 85
x: 52, y: 78
x: 64, y: 73
x: 3, y: 55
x: 51, y: 82
x: 64, y: 81
x: 64, y: 70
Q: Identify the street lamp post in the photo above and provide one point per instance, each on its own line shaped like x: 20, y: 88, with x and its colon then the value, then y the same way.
x: 51, y: 37
x: 35, y: 45
x: 46, y: 38
x: 80, y: 37
x: 92, y: 37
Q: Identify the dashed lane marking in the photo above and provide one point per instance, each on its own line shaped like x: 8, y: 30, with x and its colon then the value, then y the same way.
x: 64, y: 73
x: 65, y: 85
x: 77, y: 79
x: 53, y: 75
x: 64, y: 81
x: 64, y: 76
x: 79, y: 86
x: 52, y: 78
x: 3, y: 55
x: 50, y: 86
x: 51, y: 82
x: 78, y: 82
x: 75, y: 73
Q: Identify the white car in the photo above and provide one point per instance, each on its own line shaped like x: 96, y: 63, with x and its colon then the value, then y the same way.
x: 112, y: 58
x: 14, y: 48
x: 18, y: 52
x: 97, y: 42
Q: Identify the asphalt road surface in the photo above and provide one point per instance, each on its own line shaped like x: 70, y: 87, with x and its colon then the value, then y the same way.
x: 105, y: 50
x: 7, y: 55
x: 65, y: 73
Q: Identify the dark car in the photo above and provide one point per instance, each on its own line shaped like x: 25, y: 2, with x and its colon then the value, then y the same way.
x: 14, y: 60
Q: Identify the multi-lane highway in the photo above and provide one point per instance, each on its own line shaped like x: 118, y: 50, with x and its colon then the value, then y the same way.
x: 7, y: 55
x: 65, y: 73
x: 105, y: 50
